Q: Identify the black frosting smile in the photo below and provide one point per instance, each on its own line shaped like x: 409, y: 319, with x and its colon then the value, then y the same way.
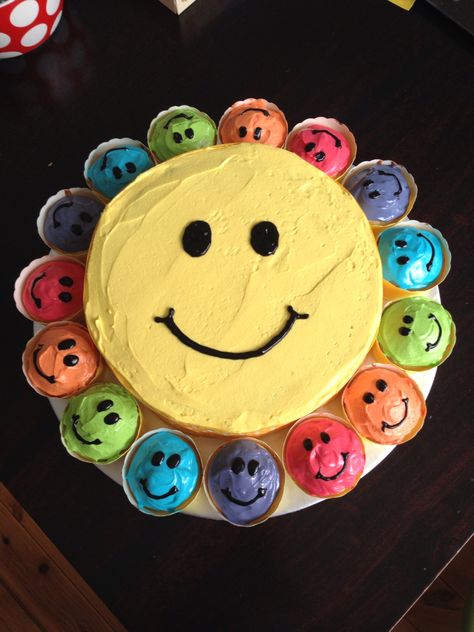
x: 50, y: 378
x: 35, y: 298
x: 333, y: 478
x: 239, y: 355
x: 429, y: 265
x: 385, y: 425
x: 433, y: 345
x: 75, y: 419
x: 173, y: 490
x: 244, y: 503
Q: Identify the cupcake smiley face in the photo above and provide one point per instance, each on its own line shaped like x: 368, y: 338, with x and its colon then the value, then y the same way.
x: 254, y: 121
x: 243, y: 480
x: 53, y: 290
x: 61, y: 360
x: 416, y: 333
x: 323, y: 456
x: 164, y: 472
x: 100, y: 424
x: 324, y: 148
x: 384, y: 404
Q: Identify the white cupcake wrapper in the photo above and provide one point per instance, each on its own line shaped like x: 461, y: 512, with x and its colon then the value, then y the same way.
x: 268, y: 104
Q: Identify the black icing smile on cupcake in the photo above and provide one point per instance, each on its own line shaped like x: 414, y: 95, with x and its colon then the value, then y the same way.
x: 385, y: 425
x: 173, y: 490
x: 244, y: 503
x: 49, y: 378
x: 169, y: 322
x: 75, y: 420
x: 333, y: 478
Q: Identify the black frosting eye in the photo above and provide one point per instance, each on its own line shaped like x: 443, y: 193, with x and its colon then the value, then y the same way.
x: 66, y: 281
x: 65, y: 297
x: 404, y: 331
x: 320, y: 156
x: 367, y: 183
x: 407, y: 319
x: 197, y: 238
x: 76, y: 229
x: 401, y: 243
x: 369, y: 398
x: 70, y: 360
x: 257, y: 133
x: 238, y: 465
x: 173, y: 461
x: 403, y: 260
x: 105, y: 404
x: 117, y: 173
x: 325, y: 438
x: 381, y: 385
x: 374, y: 194
x: 111, y: 418
x: 85, y: 217
x: 309, y: 147
x: 253, y: 466
x: 264, y: 238
x: 157, y: 458
x: 189, y: 132
x: 130, y: 167
x: 177, y: 137
x: 308, y: 445
x: 67, y: 343
x: 242, y: 131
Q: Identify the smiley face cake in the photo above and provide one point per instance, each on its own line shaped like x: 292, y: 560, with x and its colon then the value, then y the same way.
x: 50, y: 289
x: 100, y: 424
x: 254, y: 121
x: 180, y: 129
x: 416, y: 333
x: 384, y: 404
x: 324, y: 456
x: 61, y: 360
x: 264, y: 299
x: 244, y: 481
x: 162, y: 474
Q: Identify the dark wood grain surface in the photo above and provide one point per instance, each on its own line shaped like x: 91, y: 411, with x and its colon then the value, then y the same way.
x: 403, y: 82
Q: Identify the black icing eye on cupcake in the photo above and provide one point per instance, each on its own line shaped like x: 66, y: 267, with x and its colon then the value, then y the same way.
x: 67, y: 221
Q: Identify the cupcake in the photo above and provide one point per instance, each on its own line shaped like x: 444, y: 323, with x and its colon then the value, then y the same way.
x: 244, y: 481
x: 323, y: 456
x: 162, y: 472
x: 180, y: 129
x: 61, y: 360
x: 384, y: 404
x: 385, y: 191
x: 114, y: 164
x: 68, y: 219
x: 253, y: 121
x: 325, y: 143
x: 415, y: 333
x: 50, y: 289
x: 415, y: 257
x: 100, y: 425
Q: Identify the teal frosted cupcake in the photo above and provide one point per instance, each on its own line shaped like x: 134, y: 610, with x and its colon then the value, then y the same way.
x: 415, y: 333
x: 100, y: 424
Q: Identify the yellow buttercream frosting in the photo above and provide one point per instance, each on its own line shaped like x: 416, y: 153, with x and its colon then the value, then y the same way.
x: 232, y: 298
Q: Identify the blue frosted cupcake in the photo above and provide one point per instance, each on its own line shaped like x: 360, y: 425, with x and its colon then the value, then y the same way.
x: 115, y: 164
x: 415, y: 257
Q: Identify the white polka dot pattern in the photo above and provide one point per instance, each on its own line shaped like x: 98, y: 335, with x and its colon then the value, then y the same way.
x: 25, y: 24
x: 52, y: 6
x: 24, y: 13
x: 4, y: 40
x: 34, y: 35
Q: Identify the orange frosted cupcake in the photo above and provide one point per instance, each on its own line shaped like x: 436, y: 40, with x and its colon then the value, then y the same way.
x: 253, y: 121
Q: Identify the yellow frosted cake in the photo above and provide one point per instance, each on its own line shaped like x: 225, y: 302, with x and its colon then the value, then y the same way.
x: 233, y: 289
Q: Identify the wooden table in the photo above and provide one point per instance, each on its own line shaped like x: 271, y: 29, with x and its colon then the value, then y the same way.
x: 403, y: 83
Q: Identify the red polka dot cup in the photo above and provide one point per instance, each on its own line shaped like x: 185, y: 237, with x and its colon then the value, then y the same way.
x: 25, y: 24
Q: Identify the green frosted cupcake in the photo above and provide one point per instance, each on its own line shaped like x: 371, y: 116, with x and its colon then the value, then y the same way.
x: 416, y: 333
x: 179, y: 130
x: 100, y: 424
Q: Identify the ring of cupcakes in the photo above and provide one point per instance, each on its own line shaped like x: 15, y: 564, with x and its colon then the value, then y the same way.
x: 253, y: 121
x: 244, y: 481
x: 324, y: 456
x: 385, y: 191
x: 114, y: 164
x: 384, y: 404
x: 100, y: 424
x: 68, y: 219
x: 415, y: 334
x: 162, y: 472
x: 415, y: 258
x: 325, y: 143
x: 50, y: 289
x: 179, y: 129
x: 61, y: 360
